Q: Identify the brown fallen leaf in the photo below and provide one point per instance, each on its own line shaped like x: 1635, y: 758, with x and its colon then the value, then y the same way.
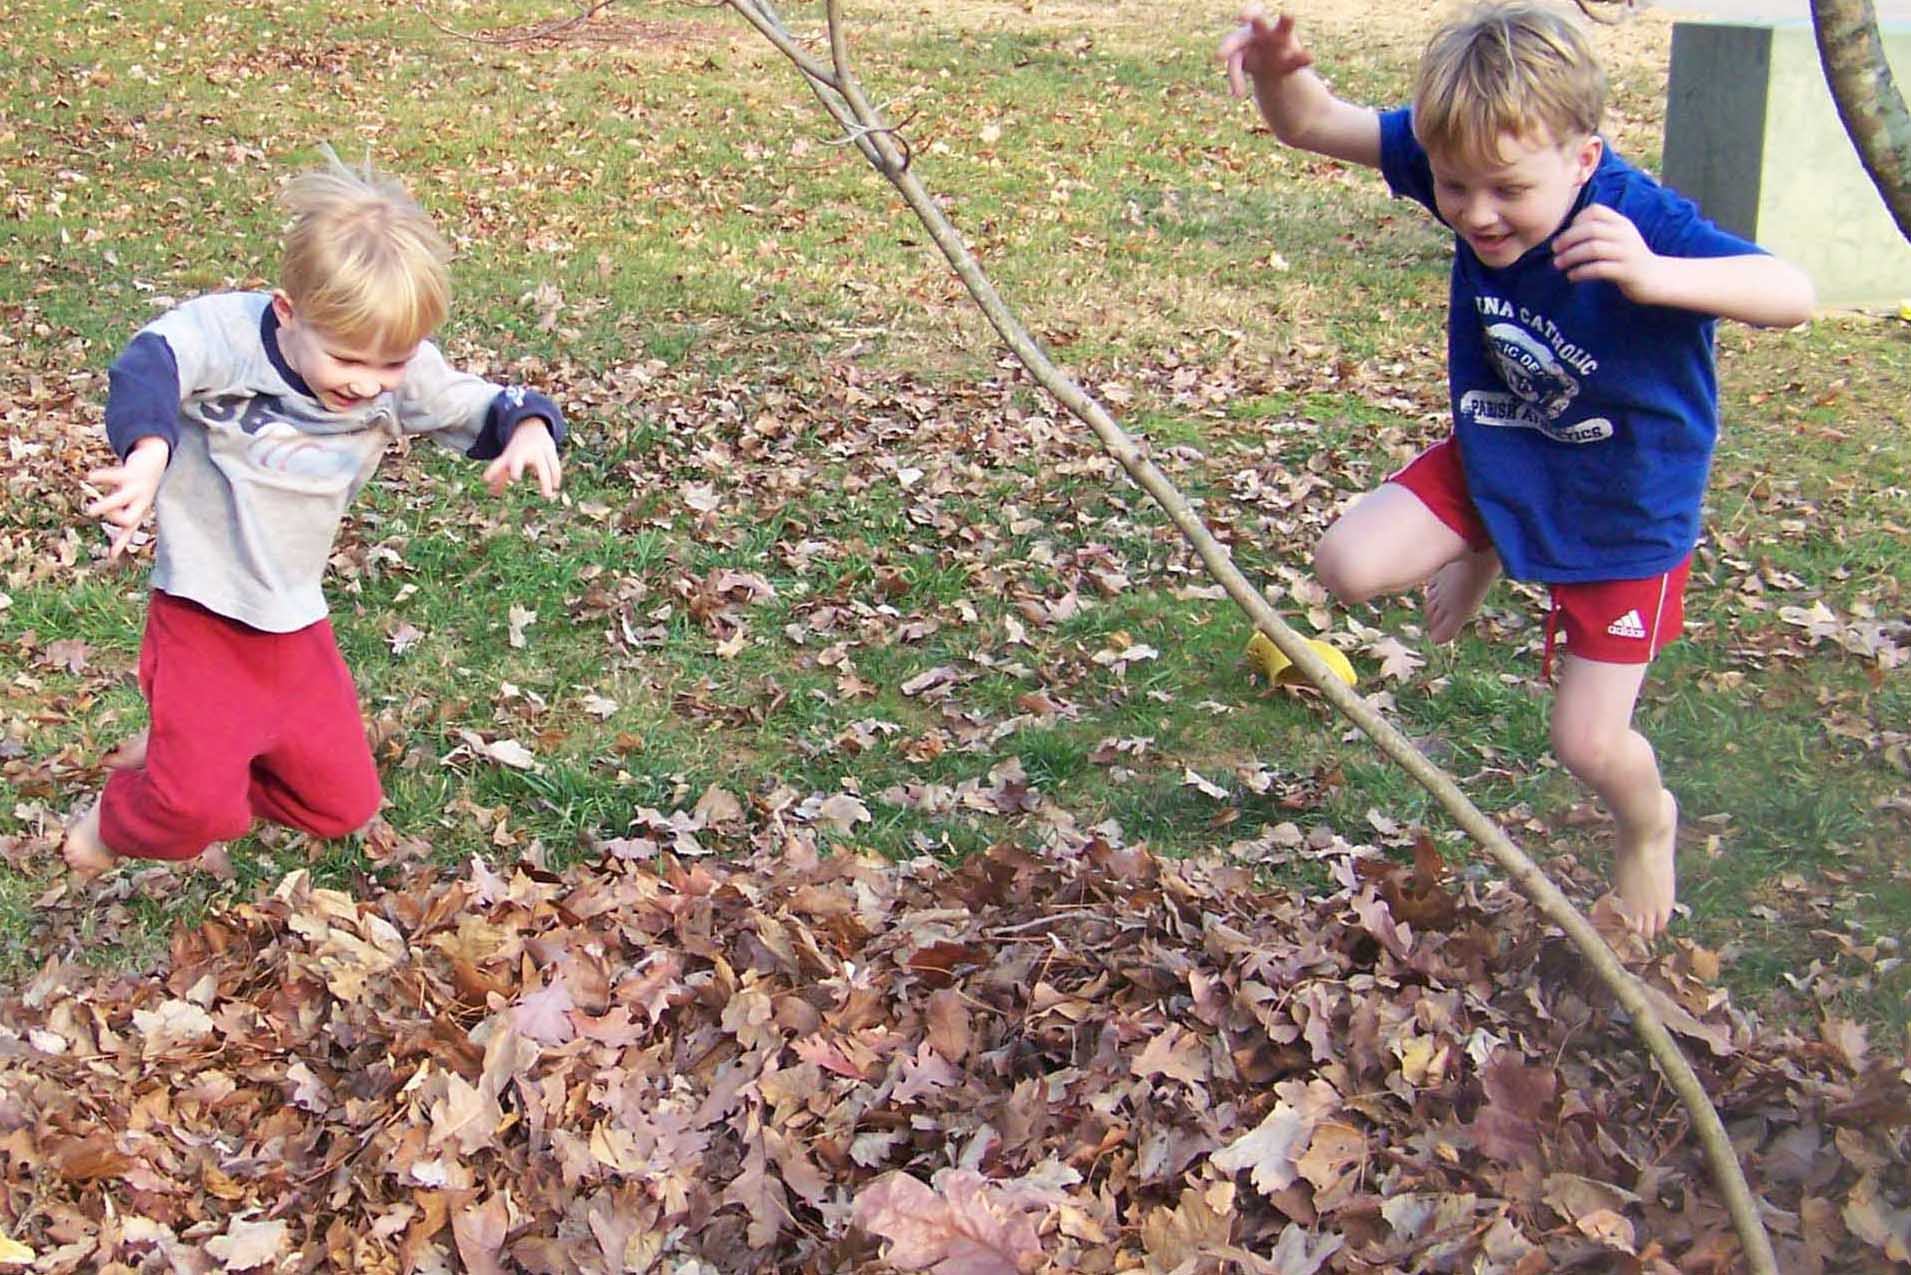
x: 960, y: 1227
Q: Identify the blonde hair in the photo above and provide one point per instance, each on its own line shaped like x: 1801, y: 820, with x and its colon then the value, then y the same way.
x: 1506, y: 68
x: 362, y: 259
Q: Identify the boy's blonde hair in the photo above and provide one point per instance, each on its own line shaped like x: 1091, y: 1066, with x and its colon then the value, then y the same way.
x: 1512, y: 67
x: 362, y: 259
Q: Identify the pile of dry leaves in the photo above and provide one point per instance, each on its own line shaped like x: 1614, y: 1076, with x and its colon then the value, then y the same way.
x: 1085, y: 1059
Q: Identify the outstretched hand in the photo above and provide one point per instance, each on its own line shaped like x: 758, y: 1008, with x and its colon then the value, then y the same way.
x: 1602, y: 243
x: 1261, y: 50
x: 130, y: 487
x: 531, y: 447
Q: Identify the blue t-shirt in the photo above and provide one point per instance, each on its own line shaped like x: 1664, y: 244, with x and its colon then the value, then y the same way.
x: 1585, y: 421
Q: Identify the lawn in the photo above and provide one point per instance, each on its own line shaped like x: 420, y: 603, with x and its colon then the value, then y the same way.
x: 824, y: 556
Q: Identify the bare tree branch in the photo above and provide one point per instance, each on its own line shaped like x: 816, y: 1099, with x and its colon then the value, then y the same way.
x: 1866, y: 93
x: 878, y: 146
x: 543, y: 31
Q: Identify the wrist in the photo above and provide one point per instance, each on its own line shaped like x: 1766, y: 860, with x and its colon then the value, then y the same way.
x: 148, y: 445
x: 1663, y: 280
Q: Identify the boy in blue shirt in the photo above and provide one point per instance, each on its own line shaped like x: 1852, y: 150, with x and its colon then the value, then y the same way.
x: 1579, y: 359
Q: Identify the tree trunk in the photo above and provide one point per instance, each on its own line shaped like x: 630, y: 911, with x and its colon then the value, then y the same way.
x: 1868, y: 99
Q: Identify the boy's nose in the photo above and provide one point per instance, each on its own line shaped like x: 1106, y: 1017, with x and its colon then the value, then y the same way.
x: 364, y: 387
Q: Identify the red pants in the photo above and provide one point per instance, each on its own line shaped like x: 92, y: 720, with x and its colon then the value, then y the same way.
x: 245, y: 724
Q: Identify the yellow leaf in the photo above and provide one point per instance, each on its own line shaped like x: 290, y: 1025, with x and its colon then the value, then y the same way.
x: 1272, y: 663
x: 1416, y: 1058
x: 13, y: 1252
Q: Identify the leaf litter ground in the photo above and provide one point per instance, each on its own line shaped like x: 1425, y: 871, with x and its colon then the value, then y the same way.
x: 1083, y: 1058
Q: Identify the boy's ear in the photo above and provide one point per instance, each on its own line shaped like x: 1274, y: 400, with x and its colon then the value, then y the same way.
x: 282, y: 305
x: 1589, y: 155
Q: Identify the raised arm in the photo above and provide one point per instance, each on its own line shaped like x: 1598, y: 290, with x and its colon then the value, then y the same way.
x: 1753, y: 288
x: 1294, y: 101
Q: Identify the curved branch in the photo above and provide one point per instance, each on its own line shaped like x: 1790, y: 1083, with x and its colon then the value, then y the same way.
x: 1553, y: 904
x: 550, y: 31
x: 1866, y: 94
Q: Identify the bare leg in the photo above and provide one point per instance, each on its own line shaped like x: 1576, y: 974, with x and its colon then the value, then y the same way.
x: 84, y: 850
x: 1594, y: 738
x: 1388, y: 542
x: 1456, y: 590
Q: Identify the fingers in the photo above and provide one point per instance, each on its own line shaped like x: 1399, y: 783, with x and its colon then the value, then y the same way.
x: 1233, y: 56
x: 125, y: 506
x: 541, y: 461
x: 1270, y: 46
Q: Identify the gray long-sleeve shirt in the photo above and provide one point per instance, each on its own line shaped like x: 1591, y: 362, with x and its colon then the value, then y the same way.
x: 261, y: 471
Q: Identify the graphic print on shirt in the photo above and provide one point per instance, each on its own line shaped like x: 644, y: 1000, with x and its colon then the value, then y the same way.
x: 1542, y: 372
x: 274, y: 442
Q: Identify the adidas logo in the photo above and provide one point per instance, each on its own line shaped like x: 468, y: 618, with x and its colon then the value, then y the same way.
x: 1628, y: 625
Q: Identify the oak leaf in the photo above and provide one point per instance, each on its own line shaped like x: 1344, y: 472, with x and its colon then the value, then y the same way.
x: 246, y: 1245
x: 544, y: 1015
x: 1268, y: 1151
x: 961, y: 1226
x: 479, y: 1232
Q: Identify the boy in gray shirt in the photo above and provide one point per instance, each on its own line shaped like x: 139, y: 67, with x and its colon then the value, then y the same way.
x: 250, y: 420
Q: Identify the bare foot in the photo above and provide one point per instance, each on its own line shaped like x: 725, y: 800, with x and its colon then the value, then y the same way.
x: 1642, y: 870
x: 85, y: 853
x: 214, y: 861
x: 131, y: 752
x: 1455, y: 592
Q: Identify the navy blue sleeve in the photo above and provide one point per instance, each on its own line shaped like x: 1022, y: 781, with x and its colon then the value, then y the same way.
x: 1673, y: 226
x: 142, y: 395
x: 1403, y: 161
x: 511, y: 406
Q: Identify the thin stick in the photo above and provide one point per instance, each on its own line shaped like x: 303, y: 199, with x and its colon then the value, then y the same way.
x: 873, y: 136
x: 550, y: 32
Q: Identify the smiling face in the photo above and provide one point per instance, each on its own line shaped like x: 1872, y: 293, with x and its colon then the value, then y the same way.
x: 344, y: 374
x: 1505, y: 206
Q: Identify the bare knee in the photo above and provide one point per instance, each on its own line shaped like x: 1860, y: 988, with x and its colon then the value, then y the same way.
x: 1340, y: 565
x: 1582, y: 748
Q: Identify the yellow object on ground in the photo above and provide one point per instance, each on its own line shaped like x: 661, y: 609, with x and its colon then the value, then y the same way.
x: 1272, y: 664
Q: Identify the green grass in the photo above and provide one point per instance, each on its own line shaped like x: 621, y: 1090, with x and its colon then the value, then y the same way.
x: 771, y: 372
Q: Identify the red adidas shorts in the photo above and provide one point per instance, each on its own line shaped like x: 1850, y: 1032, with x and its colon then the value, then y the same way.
x: 1613, y: 621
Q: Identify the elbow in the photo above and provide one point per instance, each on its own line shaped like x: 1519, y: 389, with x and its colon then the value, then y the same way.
x: 1288, y: 134
x: 1798, y: 299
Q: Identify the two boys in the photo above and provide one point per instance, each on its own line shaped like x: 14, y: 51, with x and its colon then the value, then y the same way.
x: 250, y: 420
x: 1585, y: 405
x: 1581, y: 314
